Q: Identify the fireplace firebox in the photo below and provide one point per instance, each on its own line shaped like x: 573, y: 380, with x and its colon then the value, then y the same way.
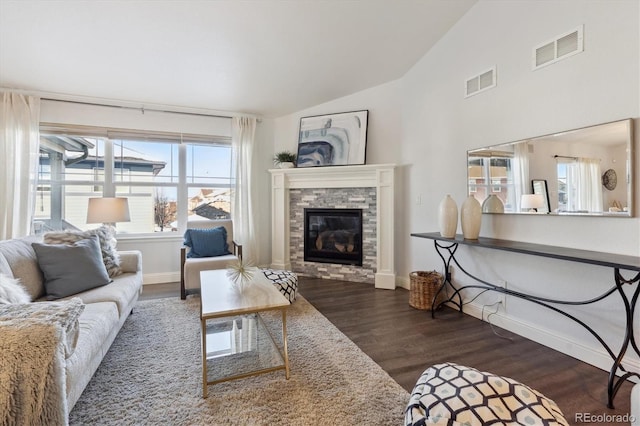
x: 333, y: 236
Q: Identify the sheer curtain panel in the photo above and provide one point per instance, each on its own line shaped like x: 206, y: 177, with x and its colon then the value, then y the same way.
x: 589, y: 185
x: 520, y: 171
x: 19, y: 146
x: 243, y: 131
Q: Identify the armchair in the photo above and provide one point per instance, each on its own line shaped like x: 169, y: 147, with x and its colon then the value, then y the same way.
x: 190, y: 267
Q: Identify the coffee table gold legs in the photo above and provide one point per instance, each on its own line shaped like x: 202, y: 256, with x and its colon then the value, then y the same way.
x: 203, y: 334
x: 284, y: 355
x: 284, y: 341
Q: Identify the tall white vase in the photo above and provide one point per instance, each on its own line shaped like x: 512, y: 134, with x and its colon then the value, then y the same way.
x: 448, y: 217
x: 492, y: 204
x: 471, y: 218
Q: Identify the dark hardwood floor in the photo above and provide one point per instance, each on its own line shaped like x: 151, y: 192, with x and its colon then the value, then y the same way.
x: 405, y: 341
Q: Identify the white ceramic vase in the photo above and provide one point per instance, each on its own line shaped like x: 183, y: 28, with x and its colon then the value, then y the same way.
x: 286, y: 165
x: 448, y: 217
x: 471, y: 218
x: 492, y: 204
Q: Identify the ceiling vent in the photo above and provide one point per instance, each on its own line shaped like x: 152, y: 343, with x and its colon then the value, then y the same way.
x: 563, y: 46
x: 481, y: 82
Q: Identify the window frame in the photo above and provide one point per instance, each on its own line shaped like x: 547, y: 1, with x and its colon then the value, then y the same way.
x: 110, y: 184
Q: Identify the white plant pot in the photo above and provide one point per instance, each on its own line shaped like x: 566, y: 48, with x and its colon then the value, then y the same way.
x: 448, y: 217
x: 286, y: 165
x: 471, y: 218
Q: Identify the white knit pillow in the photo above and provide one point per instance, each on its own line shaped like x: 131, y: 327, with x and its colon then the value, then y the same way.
x: 11, y: 291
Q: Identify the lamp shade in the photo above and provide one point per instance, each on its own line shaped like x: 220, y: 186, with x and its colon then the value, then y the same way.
x: 108, y: 210
x: 531, y: 201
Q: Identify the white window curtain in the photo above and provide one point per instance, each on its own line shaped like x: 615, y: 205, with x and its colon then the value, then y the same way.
x: 19, y: 150
x: 584, y: 182
x: 520, y: 171
x: 243, y: 131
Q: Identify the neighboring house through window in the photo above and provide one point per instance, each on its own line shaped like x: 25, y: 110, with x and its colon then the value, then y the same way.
x: 168, y: 178
x: 492, y: 174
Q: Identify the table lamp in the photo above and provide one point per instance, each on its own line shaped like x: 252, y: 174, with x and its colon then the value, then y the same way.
x: 108, y: 210
x: 531, y: 202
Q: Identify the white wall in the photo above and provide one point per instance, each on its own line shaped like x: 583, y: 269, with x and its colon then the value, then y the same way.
x: 137, y: 119
x: 440, y: 125
x: 424, y: 124
x: 383, y: 133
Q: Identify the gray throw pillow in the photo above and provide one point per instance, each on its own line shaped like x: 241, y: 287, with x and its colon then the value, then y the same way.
x: 71, y: 269
x: 106, y: 234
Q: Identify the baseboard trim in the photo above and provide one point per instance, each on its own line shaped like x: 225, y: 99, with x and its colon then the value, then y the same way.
x: 403, y: 282
x: 161, y: 278
x: 591, y: 355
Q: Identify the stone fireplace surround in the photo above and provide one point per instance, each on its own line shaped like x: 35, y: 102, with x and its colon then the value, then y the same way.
x: 381, y: 177
x: 340, y: 198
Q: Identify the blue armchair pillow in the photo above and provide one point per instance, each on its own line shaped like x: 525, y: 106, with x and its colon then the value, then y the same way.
x: 206, y: 242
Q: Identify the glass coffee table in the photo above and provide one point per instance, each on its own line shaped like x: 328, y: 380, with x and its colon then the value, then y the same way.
x: 235, y: 341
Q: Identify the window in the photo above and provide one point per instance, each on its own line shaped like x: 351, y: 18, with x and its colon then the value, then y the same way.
x: 492, y: 174
x: 208, y: 180
x: 168, y: 178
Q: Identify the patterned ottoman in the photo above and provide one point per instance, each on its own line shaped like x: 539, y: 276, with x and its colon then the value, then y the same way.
x: 451, y: 394
x: 285, y: 281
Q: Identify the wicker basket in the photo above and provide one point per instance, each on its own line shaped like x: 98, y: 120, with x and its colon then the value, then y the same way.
x: 424, y: 287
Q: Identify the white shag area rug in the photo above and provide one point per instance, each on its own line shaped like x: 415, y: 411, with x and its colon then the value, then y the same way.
x: 152, y: 376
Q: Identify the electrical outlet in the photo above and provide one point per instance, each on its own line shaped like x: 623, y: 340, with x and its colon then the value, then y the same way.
x: 503, y: 297
x: 419, y: 199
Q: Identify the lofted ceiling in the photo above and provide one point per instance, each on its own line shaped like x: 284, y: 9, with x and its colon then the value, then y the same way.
x: 263, y: 57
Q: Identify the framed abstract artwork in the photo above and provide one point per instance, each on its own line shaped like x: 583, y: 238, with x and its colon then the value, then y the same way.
x: 333, y: 139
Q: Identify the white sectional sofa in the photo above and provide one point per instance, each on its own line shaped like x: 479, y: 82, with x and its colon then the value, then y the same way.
x: 105, y: 309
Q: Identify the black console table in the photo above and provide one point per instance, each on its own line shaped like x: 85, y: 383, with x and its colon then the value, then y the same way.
x: 446, y: 249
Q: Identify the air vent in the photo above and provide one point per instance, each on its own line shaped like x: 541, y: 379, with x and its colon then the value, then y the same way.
x: 563, y: 46
x: 481, y: 82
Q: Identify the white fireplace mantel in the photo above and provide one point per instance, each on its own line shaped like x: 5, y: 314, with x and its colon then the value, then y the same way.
x: 379, y: 176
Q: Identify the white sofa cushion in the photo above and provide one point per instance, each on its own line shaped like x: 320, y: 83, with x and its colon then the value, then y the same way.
x: 97, y: 324
x: 121, y: 291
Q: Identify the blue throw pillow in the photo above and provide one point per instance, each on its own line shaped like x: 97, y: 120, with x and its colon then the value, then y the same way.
x: 207, y: 242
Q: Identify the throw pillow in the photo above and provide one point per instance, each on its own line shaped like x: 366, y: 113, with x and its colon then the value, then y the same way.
x: 71, y: 269
x: 207, y: 242
x: 106, y: 234
x: 11, y: 291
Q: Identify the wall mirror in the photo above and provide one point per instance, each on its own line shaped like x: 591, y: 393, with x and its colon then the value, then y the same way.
x: 584, y: 171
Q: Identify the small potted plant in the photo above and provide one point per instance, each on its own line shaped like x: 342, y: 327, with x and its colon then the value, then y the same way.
x: 284, y: 159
